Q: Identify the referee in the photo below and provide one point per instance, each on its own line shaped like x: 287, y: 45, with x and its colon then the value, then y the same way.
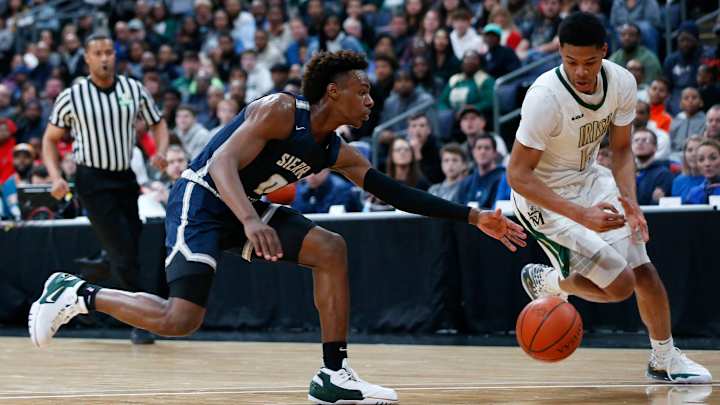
x: 100, y: 113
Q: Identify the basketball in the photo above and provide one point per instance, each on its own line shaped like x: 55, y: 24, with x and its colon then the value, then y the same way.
x: 549, y: 329
x: 284, y: 195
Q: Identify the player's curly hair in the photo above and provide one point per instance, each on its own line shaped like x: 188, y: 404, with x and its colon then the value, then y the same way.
x: 324, y: 68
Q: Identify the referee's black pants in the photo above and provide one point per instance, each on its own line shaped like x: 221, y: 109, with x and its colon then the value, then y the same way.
x: 110, y: 202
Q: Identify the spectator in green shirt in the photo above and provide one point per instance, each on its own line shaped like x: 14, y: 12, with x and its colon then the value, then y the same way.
x: 471, y: 86
x: 631, y: 49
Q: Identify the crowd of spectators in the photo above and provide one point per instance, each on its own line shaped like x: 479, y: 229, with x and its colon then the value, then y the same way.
x: 203, y: 61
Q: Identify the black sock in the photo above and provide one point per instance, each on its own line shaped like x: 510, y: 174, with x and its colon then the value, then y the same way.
x: 88, y: 292
x: 333, y: 354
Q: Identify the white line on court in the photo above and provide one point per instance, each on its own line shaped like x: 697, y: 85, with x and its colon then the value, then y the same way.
x: 293, y: 391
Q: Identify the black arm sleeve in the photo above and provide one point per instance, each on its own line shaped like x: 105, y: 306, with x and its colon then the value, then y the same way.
x: 411, y: 199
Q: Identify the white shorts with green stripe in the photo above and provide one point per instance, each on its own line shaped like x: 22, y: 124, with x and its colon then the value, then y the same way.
x: 572, y: 247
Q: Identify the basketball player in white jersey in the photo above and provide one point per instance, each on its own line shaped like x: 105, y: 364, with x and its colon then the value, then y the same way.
x: 585, y: 216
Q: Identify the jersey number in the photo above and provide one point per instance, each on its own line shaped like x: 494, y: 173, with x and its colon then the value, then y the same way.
x: 273, y: 183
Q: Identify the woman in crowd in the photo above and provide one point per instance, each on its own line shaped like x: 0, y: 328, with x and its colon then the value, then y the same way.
x: 442, y: 58
x: 690, y: 176
x: 402, y: 166
x: 708, y: 161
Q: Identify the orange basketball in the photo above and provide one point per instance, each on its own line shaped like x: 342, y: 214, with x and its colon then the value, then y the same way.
x: 284, y: 195
x: 549, y: 329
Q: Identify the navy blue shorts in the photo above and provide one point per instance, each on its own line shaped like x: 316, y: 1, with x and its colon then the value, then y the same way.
x: 199, y: 227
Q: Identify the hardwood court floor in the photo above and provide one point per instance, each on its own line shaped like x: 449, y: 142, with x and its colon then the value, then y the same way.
x: 181, y: 372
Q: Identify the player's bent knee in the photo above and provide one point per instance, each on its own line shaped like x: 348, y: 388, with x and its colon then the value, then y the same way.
x: 181, y: 318
x: 622, y: 287
x: 176, y: 323
x: 326, y: 250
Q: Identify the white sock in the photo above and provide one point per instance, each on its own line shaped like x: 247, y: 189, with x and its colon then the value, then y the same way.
x: 662, y: 348
x: 553, y: 280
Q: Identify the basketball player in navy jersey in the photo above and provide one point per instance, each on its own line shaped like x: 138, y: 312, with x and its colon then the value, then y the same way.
x: 217, y: 205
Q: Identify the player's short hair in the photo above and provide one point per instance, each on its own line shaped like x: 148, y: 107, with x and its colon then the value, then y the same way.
x: 325, y: 67
x: 652, y: 133
x: 455, y: 149
x: 97, y: 36
x: 582, y: 29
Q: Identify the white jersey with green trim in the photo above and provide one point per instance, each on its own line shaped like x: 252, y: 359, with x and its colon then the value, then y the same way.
x: 568, y: 126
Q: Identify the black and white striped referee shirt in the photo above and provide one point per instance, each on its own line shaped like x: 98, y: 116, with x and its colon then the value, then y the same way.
x: 102, y: 121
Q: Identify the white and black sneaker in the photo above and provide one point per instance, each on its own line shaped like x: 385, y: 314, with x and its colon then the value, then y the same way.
x: 58, y: 304
x: 677, y: 368
x: 344, y: 386
x: 534, y: 279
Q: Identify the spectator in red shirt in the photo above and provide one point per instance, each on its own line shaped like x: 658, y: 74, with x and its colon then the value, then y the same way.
x: 658, y: 94
x: 7, y: 143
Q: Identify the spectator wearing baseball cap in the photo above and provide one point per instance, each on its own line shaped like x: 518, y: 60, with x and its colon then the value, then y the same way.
x: 473, y: 124
x: 499, y: 60
x: 682, y: 65
x: 23, y: 156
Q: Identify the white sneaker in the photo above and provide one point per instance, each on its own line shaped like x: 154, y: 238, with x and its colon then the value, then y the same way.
x: 534, y: 281
x: 346, y: 387
x: 677, y: 368
x: 57, y: 305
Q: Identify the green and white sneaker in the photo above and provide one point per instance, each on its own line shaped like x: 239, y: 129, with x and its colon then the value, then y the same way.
x: 677, y: 368
x: 534, y: 279
x: 58, y: 304
x: 345, y: 387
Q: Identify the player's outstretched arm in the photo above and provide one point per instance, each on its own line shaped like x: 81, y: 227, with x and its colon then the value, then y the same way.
x: 521, y: 177
x: 358, y: 170
x: 268, y: 118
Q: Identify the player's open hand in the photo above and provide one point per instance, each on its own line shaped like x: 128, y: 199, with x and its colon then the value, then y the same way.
x: 603, y: 217
x: 264, y: 239
x: 636, y: 219
x: 495, y: 224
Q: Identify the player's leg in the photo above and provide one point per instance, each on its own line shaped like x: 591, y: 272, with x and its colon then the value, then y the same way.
x: 603, y: 277
x: 652, y: 301
x: 325, y: 253
x: 583, y: 263
x: 598, y: 279
x: 666, y: 362
x: 180, y: 315
x: 65, y: 296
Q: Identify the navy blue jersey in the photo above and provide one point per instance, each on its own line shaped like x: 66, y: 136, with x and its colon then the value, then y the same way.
x: 280, y: 162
